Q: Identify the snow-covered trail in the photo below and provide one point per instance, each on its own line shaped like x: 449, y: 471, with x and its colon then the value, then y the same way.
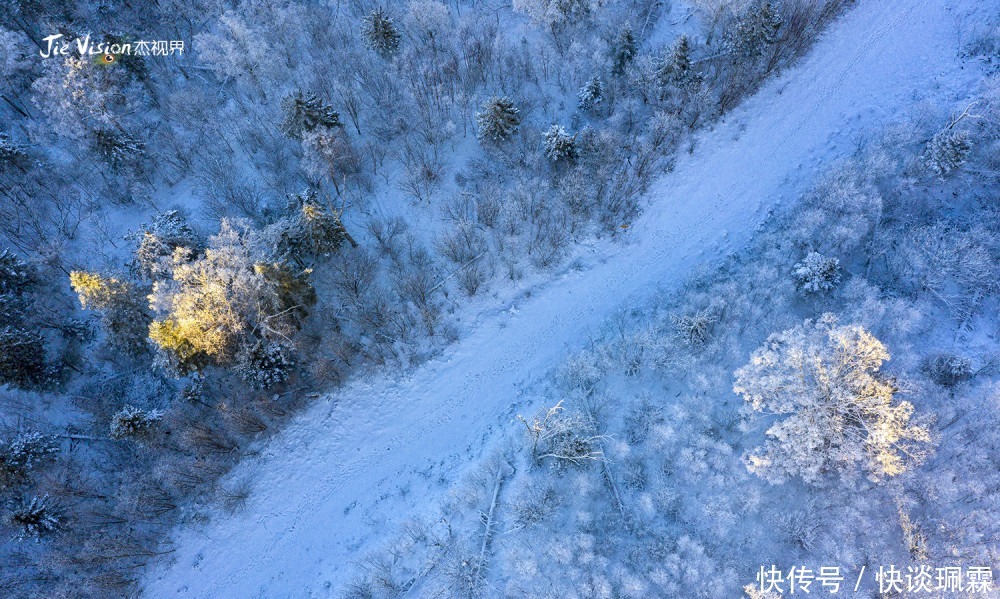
x: 348, y: 471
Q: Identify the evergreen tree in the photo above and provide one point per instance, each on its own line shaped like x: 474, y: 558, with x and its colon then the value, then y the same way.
x: 264, y: 364
x: 756, y: 29
x: 591, y: 94
x: 119, y: 149
x: 305, y: 113
x: 35, y: 517
x: 158, y: 244
x: 22, y: 359
x: 22, y: 454
x: 559, y: 145
x: 623, y: 50
x: 947, y: 151
x: 676, y: 69
x: 816, y: 273
x: 498, y: 119
x: 134, y: 423
x: 313, y: 229
x: 381, y: 34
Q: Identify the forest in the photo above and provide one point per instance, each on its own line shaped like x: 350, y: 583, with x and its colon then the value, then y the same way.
x: 219, y: 216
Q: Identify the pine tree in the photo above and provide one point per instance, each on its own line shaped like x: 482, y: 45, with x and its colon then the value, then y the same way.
x: 264, y: 364
x: 22, y: 359
x: 313, y: 229
x: 15, y: 274
x: 676, y: 69
x: 134, y: 423
x: 35, y: 517
x: 305, y: 113
x: 381, y: 34
x: 591, y: 94
x: 11, y: 153
x: 947, y: 151
x: 755, y: 30
x: 22, y: 454
x: 559, y: 145
x: 498, y: 119
x: 816, y: 273
x: 623, y: 50
x: 119, y: 149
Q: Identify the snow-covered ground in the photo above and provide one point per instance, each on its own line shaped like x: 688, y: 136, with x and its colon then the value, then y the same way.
x: 359, y: 462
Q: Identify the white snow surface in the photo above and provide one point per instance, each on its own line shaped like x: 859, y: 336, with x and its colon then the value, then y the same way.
x: 340, y: 479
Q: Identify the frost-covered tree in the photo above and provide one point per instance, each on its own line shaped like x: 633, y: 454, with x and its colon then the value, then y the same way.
x: 313, y: 228
x: 947, y: 151
x: 134, y: 423
x: 118, y: 148
x: 559, y: 145
x: 121, y: 305
x: 22, y: 359
x: 158, y: 243
x: 755, y: 30
x: 948, y: 370
x: 816, y: 273
x: 327, y: 152
x: 676, y: 70
x: 22, y: 454
x: 498, y: 119
x: 212, y: 304
x: 306, y: 112
x: 264, y: 364
x: 35, y: 517
x: 381, y: 34
x: 556, y: 14
x: 624, y: 49
x: 591, y: 95
x: 839, y: 408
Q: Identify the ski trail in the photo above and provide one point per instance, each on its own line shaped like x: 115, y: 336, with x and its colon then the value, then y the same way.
x: 355, y: 465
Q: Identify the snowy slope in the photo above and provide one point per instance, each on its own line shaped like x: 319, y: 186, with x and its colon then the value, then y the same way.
x: 358, y: 463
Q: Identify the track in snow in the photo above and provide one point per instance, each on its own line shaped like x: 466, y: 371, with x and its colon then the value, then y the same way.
x: 349, y: 470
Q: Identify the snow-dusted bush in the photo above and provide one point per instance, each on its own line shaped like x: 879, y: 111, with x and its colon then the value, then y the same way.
x: 134, y: 423
x: 948, y: 370
x: 35, y: 517
x: 947, y: 151
x: 498, y: 119
x: 841, y: 410
x: 816, y: 273
x: 559, y: 145
x: 695, y: 329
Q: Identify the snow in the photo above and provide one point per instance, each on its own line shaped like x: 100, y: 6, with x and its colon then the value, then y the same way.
x: 361, y: 461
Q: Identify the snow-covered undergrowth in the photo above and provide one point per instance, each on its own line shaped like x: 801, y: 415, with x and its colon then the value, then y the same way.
x: 640, y: 475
